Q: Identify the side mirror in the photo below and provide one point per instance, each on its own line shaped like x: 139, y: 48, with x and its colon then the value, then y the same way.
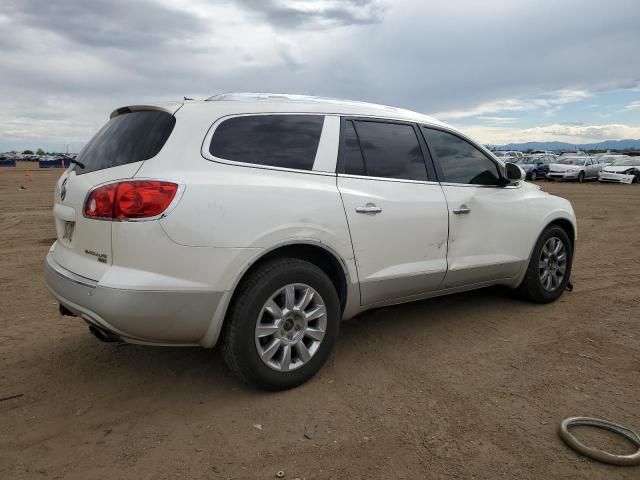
x: 513, y: 171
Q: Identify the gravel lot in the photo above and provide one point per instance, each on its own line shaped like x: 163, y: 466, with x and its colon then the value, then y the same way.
x: 468, y: 386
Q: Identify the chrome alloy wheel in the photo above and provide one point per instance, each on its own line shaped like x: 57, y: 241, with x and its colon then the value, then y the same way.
x: 553, y: 264
x: 290, y: 327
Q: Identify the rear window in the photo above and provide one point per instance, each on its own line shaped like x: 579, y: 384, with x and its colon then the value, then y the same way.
x: 128, y: 138
x: 288, y: 141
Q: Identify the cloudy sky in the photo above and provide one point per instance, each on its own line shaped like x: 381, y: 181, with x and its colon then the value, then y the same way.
x: 502, y: 71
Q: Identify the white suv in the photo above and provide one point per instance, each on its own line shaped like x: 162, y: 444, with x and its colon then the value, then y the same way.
x: 261, y: 221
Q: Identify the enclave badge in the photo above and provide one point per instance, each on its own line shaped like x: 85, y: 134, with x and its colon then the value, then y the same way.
x: 63, y: 189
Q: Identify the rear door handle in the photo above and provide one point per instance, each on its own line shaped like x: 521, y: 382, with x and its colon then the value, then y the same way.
x: 461, y: 209
x: 369, y: 208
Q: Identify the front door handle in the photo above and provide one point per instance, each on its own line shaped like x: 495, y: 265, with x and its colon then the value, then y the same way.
x: 369, y: 208
x: 461, y: 209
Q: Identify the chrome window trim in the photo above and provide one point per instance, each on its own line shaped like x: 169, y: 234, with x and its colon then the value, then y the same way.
x: 386, y: 179
x: 518, y: 184
x: 206, y: 142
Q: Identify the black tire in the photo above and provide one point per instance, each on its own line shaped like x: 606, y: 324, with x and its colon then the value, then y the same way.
x: 534, y: 176
x: 581, y: 177
x: 531, y: 287
x: 238, y: 341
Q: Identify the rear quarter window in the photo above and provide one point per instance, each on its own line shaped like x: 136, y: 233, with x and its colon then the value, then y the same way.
x: 286, y: 141
x: 128, y: 138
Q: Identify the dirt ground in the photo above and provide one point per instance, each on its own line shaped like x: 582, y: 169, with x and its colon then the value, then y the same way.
x: 468, y: 386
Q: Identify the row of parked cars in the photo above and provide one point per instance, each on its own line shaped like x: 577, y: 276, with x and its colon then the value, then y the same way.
x: 604, y: 168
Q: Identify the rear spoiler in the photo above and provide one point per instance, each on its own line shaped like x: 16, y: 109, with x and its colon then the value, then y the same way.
x: 169, y: 107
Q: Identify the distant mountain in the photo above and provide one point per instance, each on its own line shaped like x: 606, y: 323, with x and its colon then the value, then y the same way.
x: 605, y: 145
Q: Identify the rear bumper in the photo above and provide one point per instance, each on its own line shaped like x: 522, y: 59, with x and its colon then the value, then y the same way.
x: 166, y: 317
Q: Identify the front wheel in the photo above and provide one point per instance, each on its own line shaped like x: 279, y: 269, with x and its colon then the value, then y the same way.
x: 282, y: 324
x: 534, y: 176
x: 581, y: 177
x: 549, y: 269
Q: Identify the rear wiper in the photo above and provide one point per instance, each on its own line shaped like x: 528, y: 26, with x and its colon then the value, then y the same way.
x: 80, y: 164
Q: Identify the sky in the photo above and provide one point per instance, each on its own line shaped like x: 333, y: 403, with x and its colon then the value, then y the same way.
x: 502, y: 71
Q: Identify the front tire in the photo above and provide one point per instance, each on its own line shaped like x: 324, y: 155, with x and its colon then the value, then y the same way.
x: 534, y: 176
x: 549, y: 269
x: 581, y: 177
x: 282, y: 324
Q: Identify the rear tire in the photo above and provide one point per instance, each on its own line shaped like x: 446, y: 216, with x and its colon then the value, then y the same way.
x: 270, y: 316
x: 537, y: 287
x: 534, y: 176
x: 581, y: 177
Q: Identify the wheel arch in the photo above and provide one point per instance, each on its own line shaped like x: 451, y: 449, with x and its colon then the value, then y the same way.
x: 317, y: 253
x: 567, y: 226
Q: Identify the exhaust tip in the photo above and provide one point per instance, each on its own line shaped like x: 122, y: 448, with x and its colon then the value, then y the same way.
x: 103, y: 335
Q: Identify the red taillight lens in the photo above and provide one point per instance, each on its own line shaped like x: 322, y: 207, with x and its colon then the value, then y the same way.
x: 131, y: 199
x: 100, y: 202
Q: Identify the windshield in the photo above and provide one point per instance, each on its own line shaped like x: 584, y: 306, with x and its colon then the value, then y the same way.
x: 570, y: 161
x: 625, y: 162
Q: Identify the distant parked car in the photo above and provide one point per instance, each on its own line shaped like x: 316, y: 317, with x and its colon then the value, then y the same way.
x: 624, y: 169
x: 535, y: 166
x: 608, y: 159
x: 506, y: 155
x: 574, y: 168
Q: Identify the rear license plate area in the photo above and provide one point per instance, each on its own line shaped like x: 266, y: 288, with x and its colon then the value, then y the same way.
x: 67, y: 232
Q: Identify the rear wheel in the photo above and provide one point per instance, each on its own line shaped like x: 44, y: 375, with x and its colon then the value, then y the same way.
x: 549, y: 269
x: 581, y: 177
x: 282, y: 324
x: 534, y: 176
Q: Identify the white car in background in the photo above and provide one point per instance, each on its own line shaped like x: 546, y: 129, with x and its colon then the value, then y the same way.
x: 261, y: 221
x: 574, y: 168
x: 507, y: 155
x: 623, y: 169
x: 608, y: 159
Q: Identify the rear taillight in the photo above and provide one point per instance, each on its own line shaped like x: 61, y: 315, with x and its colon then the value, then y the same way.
x: 130, y: 199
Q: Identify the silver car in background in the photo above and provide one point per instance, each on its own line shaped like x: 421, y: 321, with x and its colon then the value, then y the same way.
x: 574, y: 168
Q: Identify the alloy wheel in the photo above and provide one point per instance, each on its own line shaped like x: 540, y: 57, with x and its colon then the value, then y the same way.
x: 552, y: 265
x: 290, y: 327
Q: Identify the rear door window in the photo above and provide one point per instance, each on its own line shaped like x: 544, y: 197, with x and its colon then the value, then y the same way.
x: 127, y: 138
x: 351, y: 152
x: 459, y: 161
x: 287, y: 141
x: 388, y: 150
